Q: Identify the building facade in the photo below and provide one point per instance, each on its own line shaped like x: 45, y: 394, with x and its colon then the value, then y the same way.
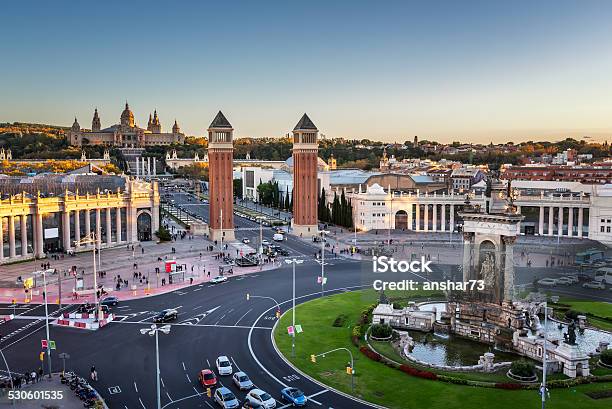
x: 37, y: 222
x: 125, y: 134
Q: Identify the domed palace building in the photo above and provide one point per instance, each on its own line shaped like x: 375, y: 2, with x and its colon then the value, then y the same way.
x: 125, y: 134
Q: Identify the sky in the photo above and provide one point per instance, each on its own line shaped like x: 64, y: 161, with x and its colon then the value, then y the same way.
x: 473, y: 71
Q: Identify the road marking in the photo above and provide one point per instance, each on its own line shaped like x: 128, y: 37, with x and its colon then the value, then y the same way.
x: 114, y: 390
x: 168, y: 395
x: 188, y: 378
x: 208, y: 362
x: 183, y: 363
x: 196, y: 391
x: 142, y: 404
x: 223, y: 316
x: 162, y: 382
x: 135, y: 387
x: 197, y: 307
x: 244, y: 315
x: 209, y: 404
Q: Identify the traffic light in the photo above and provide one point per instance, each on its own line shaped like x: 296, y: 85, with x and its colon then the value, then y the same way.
x: 313, y: 358
x: 278, y: 314
x: 41, y: 356
x: 349, y: 370
x: 209, y: 392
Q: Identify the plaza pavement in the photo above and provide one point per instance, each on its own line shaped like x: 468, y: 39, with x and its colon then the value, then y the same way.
x: 121, y: 261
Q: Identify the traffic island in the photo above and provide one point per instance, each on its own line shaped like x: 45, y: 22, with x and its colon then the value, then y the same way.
x: 381, y: 383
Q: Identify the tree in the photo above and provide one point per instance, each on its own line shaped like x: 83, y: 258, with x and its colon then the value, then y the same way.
x: 287, y: 204
x: 238, y: 188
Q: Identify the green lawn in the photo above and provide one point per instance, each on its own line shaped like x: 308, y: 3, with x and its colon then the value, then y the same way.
x: 601, y: 309
x: 387, y: 386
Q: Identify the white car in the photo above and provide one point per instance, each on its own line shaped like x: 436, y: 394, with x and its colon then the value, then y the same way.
x: 224, y: 366
x: 242, y: 381
x: 257, y: 396
x: 548, y: 282
x: 246, y: 241
x: 265, y: 242
x: 218, y: 279
x: 226, y: 399
x: 564, y: 281
x: 573, y: 279
x: 594, y: 284
x: 278, y: 237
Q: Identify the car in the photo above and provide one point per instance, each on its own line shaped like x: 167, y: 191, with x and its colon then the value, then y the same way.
x: 603, y: 275
x: 278, y: 237
x: 261, y: 397
x: 207, y: 378
x: 166, y: 315
x: 294, y: 396
x: 573, y: 279
x: 242, y: 381
x: 564, y: 281
x: 224, y: 366
x: 594, y: 284
x: 246, y: 241
x: 548, y: 282
x: 225, y: 398
x: 265, y: 242
x: 218, y: 280
x: 111, y: 300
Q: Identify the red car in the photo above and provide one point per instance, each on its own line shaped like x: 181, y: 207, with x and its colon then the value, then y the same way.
x: 207, y: 378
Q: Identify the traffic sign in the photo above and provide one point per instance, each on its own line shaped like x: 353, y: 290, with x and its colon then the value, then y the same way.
x: 28, y: 283
x: 44, y: 343
x: 321, y: 280
x: 52, y: 344
x: 298, y: 328
x: 290, y: 330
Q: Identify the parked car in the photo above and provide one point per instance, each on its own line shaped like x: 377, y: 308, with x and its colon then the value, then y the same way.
x: 548, y: 282
x: 111, y: 300
x: 564, y: 281
x: 247, y: 404
x: 224, y: 366
x: 166, y: 315
x: 294, y: 396
x: 594, y: 284
x: 262, y: 398
x: 603, y: 275
x: 246, y: 241
x: 207, y: 378
x: 218, y: 280
x: 242, y: 381
x: 265, y: 242
x: 225, y: 398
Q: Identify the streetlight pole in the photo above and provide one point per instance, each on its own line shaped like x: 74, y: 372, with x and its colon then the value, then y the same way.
x: 323, y: 233
x: 92, y: 239
x: 313, y: 358
x: 293, y: 262
x: 153, y: 331
x: 47, y: 321
x: 543, y: 391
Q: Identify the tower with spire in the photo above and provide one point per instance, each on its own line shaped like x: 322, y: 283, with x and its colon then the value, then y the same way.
x: 95, y: 122
x: 305, y: 174
x: 221, y: 155
x: 75, y: 125
x: 155, y: 126
x: 175, y: 128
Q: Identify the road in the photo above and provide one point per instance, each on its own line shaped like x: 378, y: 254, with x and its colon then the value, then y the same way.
x: 213, y: 320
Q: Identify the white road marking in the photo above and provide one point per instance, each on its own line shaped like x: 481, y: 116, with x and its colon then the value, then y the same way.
x: 142, y: 404
x: 223, y: 316
x: 184, y: 369
x: 135, y: 387
x: 168, y: 395
x: 188, y: 378
x: 208, y: 362
x: 244, y: 315
x: 162, y: 382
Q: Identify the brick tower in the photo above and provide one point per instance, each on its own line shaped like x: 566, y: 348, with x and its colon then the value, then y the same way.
x: 220, y: 165
x: 305, y: 192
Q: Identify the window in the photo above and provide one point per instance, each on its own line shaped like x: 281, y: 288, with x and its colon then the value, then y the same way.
x: 602, y: 229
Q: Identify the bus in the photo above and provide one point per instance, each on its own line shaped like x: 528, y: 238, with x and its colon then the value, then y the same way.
x: 589, y: 256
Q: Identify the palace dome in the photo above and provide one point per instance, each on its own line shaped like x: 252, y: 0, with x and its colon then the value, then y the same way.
x: 127, y: 116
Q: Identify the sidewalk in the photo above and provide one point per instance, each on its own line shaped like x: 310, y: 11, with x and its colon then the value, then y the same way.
x: 191, y: 254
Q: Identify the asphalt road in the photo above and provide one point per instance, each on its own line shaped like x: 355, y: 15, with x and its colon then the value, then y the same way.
x: 213, y: 320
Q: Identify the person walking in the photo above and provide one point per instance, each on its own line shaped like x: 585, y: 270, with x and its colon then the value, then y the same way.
x: 94, y: 373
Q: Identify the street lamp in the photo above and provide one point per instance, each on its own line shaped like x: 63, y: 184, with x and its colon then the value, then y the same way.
x: 249, y: 296
x: 293, y: 262
x: 154, y: 330
x: 543, y: 387
x: 313, y: 358
x: 323, y: 233
x: 45, y: 295
x: 92, y: 239
x: 260, y: 238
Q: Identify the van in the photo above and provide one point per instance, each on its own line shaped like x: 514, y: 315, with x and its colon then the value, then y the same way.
x: 278, y: 237
x: 603, y: 275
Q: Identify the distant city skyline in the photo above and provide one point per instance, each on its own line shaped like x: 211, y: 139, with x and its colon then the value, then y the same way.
x: 472, y: 71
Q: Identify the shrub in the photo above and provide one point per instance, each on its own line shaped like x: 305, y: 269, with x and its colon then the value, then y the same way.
x: 381, y: 330
x: 397, y: 305
x: 571, y: 314
x: 357, y: 331
x: 510, y: 386
x: 340, y: 320
x: 374, y: 356
x: 163, y: 234
x: 606, y: 357
x: 523, y: 368
x: 416, y: 372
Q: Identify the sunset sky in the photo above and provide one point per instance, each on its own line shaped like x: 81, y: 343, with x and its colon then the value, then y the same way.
x: 476, y: 71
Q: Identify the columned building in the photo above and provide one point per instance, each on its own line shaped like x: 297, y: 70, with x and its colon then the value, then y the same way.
x: 40, y: 221
x: 221, y: 178
x: 305, y: 189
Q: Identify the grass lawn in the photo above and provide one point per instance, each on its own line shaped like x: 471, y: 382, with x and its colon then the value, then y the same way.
x: 387, y: 386
x: 599, y: 308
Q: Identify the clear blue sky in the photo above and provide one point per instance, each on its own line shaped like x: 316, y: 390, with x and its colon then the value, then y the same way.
x: 444, y: 70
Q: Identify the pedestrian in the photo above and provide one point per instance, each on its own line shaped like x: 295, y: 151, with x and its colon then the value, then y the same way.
x: 34, y: 377
x: 94, y: 373
x: 191, y: 281
x: 40, y: 372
